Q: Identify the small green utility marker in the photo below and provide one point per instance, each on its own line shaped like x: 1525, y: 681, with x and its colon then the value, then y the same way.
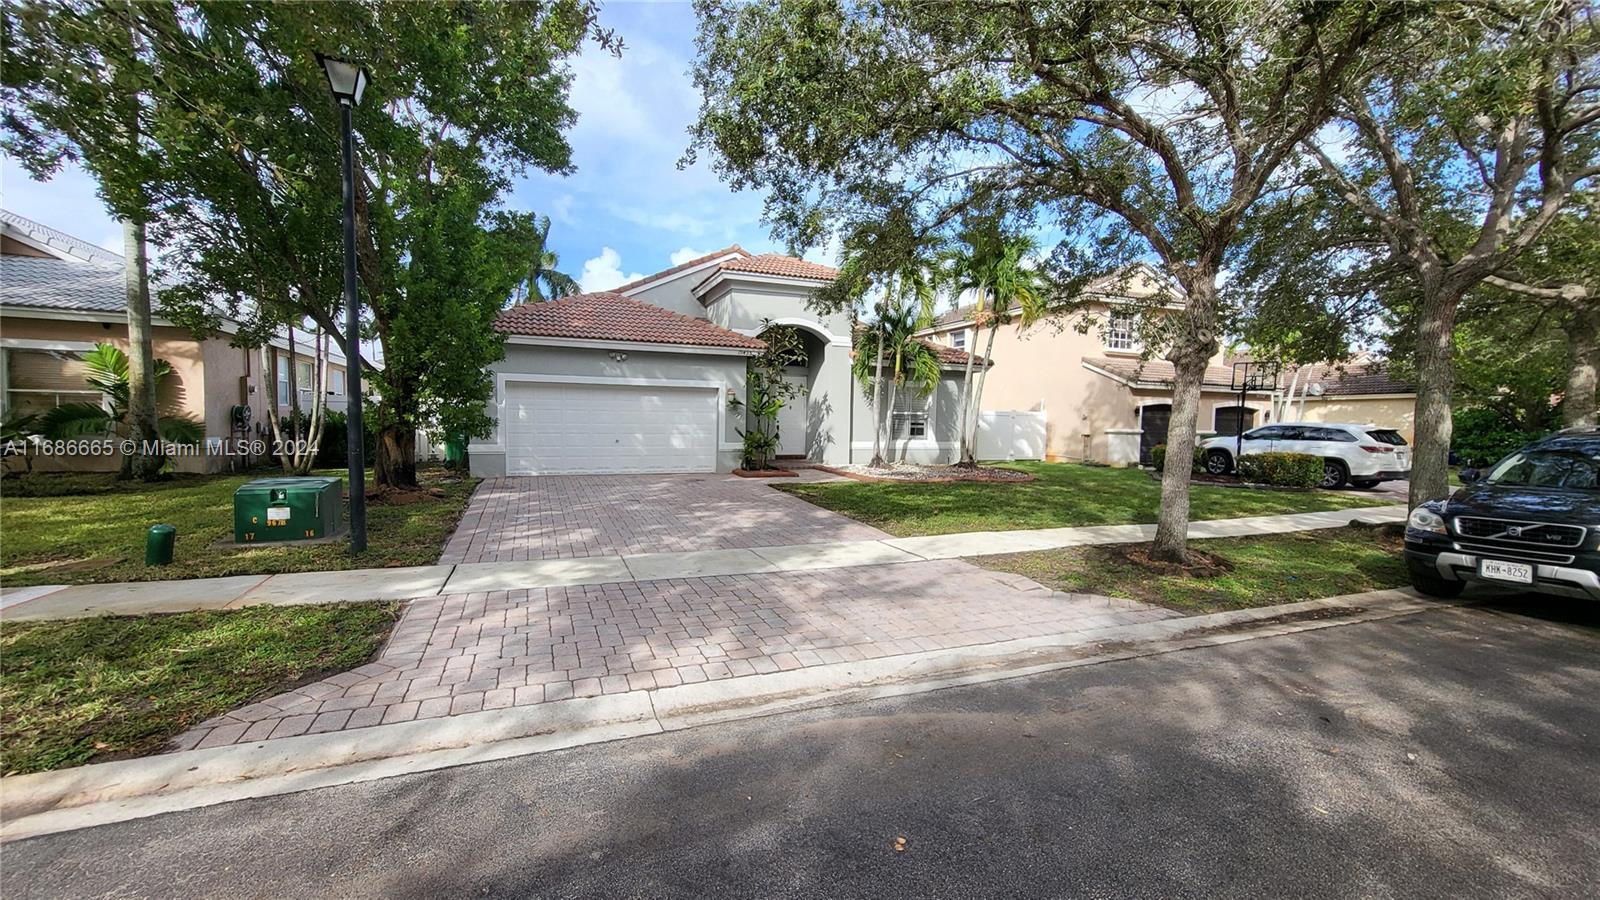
x: 288, y: 509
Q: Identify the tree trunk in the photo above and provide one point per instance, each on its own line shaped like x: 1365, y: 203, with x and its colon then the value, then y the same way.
x: 293, y: 456
x: 1583, y: 349
x: 877, y: 395
x: 966, y: 382
x: 886, y: 421
x: 147, y: 459
x: 1190, y: 353
x: 976, y: 412
x: 1430, y: 458
x: 396, y: 465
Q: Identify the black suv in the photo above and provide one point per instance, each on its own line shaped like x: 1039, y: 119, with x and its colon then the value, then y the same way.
x: 1532, y: 520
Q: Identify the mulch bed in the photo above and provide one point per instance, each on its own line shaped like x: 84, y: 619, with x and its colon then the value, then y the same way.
x: 765, y: 473
x: 1200, y: 565
x: 1231, y: 481
x: 901, y: 473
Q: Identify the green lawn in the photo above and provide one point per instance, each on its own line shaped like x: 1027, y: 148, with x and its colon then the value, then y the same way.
x: 86, y: 690
x: 1062, y: 494
x: 83, y: 529
x: 1267, y: 570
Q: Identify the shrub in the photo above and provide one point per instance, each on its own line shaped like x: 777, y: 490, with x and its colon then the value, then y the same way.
x: 1483, y: 435
x: 335, y: 437
x: 1158, y: 458
x: 1281, y: 469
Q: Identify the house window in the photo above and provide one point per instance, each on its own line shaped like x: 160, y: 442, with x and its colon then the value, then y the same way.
x: 958, y: 339
x: 336, y: 380
x: 913, y: 415
x: 1231, y: 420
x: 283, y: 381
x: 37, y: 381
x: 1120, y: 332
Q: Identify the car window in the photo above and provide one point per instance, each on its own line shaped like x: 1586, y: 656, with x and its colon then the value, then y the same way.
x: 1387, y: 436
x: 1335, y: 434
x: 1290, y: 433
x: 1566, y: 469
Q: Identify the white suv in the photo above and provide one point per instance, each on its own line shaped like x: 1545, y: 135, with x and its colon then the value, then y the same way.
x: 1361, y: 455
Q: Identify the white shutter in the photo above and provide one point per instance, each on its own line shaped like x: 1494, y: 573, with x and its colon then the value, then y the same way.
x: 913, y: 414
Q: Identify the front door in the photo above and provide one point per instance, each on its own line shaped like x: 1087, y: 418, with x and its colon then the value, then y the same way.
x: 1153, y: 422
x: 793, y: 419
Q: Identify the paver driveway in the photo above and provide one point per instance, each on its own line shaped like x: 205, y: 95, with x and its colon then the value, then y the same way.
x: 466, y: 652
x: 564, y: 516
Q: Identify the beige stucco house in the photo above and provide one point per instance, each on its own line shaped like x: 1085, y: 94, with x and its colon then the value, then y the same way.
x: 59, y: 296
x: 652, y: 376
x: 1105, y: 402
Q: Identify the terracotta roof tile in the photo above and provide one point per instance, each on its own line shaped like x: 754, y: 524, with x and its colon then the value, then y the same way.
x: 735, y: 248
x: 1353, y: 379
x: 777, y: 264
x: 609, y: 316
x: 950, y: 356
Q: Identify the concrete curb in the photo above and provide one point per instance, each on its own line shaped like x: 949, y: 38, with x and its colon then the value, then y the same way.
x: 85, y: 796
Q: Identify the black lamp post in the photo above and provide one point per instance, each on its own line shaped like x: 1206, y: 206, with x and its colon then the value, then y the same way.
x: 347, y: 81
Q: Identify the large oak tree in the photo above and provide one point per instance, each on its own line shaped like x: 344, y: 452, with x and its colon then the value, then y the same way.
x: 1143, y: 130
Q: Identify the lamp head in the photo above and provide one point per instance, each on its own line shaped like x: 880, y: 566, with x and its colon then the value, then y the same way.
x: 346, y: 79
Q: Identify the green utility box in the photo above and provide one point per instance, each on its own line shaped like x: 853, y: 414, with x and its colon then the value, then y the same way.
x: 288, y: 509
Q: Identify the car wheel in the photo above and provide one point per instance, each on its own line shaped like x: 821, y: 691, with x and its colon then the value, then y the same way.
x: 1218, y: 462
x: 1437, y: 587
x: 1334, y: 474
x: 1365, y: 484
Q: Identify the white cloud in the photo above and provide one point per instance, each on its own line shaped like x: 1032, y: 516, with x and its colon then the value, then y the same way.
x: 604, y: 272
x: 684, y: 255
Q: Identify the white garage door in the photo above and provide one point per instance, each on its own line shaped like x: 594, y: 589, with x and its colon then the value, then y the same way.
x: 552, y: 428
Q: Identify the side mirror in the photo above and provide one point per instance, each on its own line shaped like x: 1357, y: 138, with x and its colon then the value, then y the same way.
x: 1467, y: 475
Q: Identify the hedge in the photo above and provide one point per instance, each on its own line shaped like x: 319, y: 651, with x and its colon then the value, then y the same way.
x: 1158, y: 458
x: 1281, y: 469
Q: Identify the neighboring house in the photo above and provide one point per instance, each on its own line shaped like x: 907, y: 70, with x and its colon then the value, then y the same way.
x: 644, y: 378
x: 59, y: 296
x: 1105, y: 403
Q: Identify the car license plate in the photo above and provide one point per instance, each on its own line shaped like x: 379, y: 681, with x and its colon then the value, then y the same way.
x: 1521, y: 573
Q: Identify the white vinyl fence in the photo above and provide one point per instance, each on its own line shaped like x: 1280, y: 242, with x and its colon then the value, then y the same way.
x: 1012, y: 434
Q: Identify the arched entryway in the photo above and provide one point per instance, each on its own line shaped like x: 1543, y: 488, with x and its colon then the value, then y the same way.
x: 1154, y: 419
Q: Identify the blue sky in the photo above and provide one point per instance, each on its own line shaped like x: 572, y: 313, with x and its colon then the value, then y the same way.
x: 627, y: 211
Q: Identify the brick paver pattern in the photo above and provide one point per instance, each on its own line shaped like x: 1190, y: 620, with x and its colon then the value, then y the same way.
x: 565, y: 516
x: 467, y: 652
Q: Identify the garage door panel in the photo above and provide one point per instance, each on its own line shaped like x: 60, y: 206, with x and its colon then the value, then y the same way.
x: 555, y: 428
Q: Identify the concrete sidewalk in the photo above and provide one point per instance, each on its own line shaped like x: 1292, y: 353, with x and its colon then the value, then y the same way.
x: 418, y: 582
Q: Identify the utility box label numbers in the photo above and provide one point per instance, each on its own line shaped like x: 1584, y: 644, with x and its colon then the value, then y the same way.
x: 277, y: 516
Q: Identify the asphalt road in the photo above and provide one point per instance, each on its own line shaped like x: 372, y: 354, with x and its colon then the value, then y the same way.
x: 1451, y: 753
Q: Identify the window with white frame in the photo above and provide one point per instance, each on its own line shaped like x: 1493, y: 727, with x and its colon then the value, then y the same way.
x: 1120, y: 331
x: 913, y: 415
x: 37, y: 381
x: 283, y: 381
x: 958, y: 339
x: 336, y: 381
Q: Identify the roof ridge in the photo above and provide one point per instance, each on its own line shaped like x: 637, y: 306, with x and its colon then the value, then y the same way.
x: 688, y: 264
x: 76, y: 247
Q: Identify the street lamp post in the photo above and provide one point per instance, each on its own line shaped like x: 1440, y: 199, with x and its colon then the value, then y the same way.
x: 347, y: 81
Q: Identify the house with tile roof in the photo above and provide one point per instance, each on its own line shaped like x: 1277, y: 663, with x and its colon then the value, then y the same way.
x: 651, y: 376
x: 1105, y: 402
x: 60, y: 295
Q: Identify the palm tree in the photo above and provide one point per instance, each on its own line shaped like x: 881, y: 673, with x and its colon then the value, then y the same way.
x: 544, y: 281
x: 990, y: 263
x: 108, y: 372
x: 911, y: 360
